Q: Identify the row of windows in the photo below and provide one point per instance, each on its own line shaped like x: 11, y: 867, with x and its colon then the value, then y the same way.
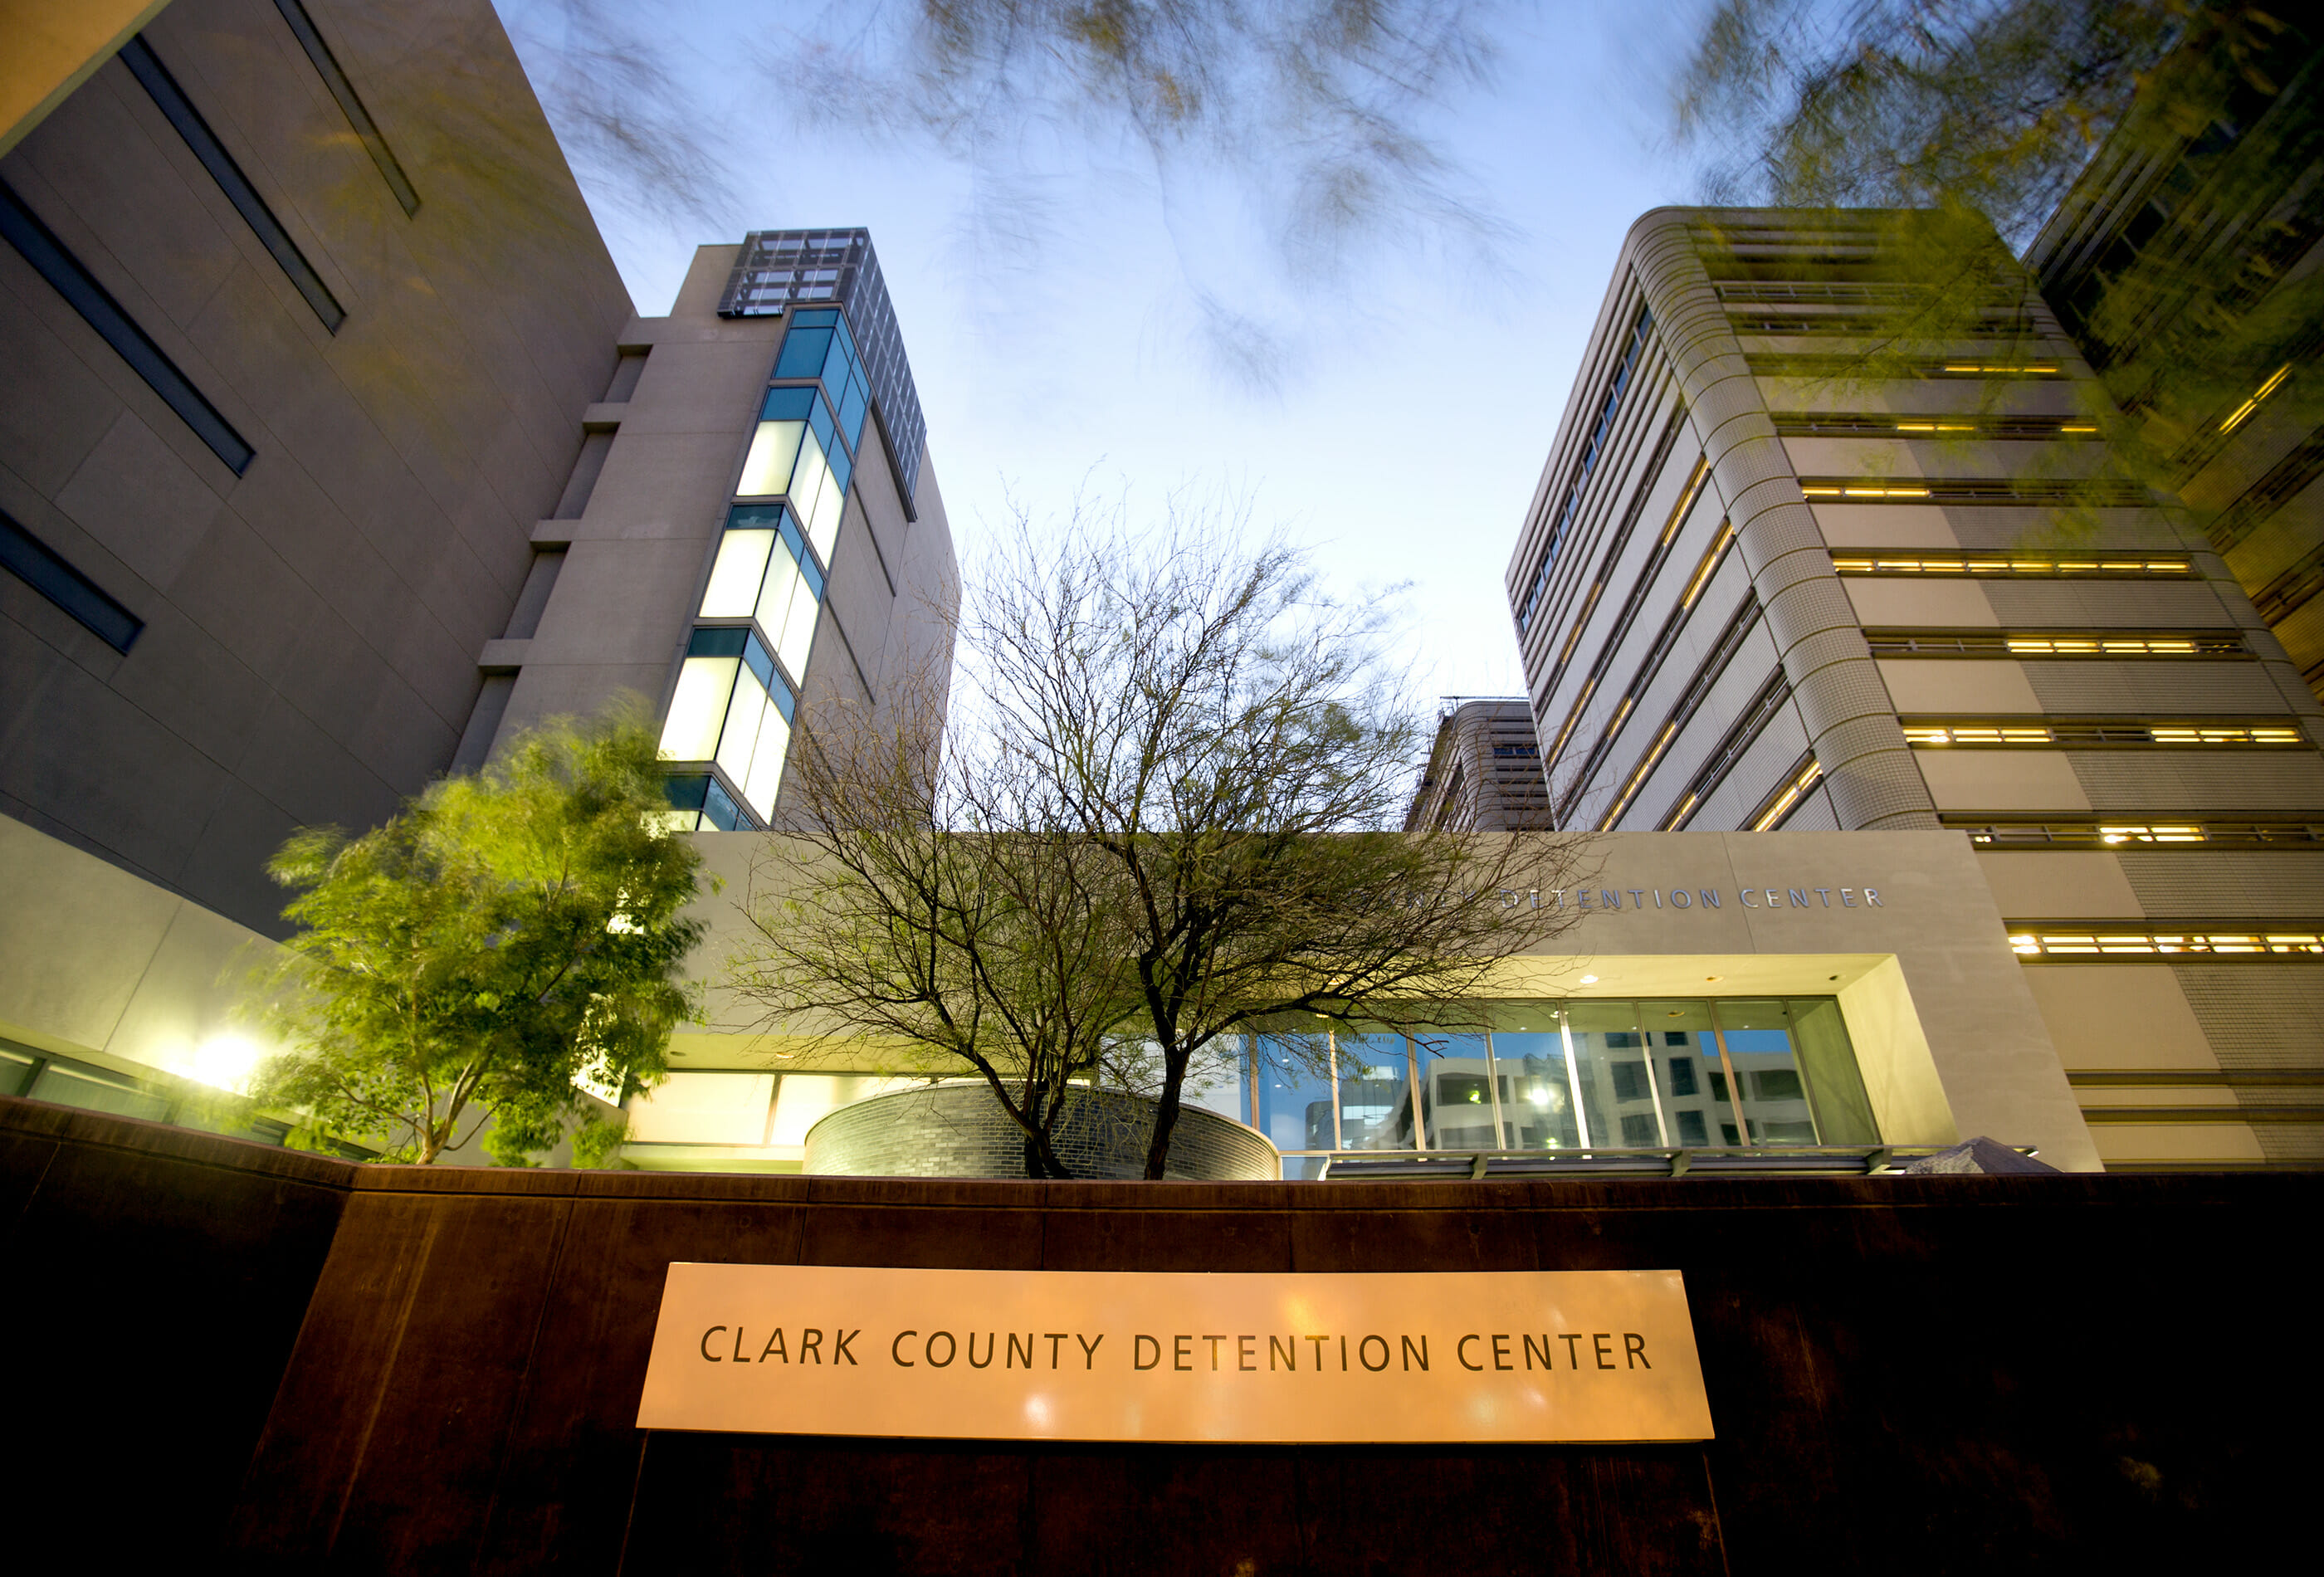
x: 2088, y: 832
x: 2001, y: 644
x: 1577, y: 1075
x: 1650, y: 665
x: 764, y: 573
x: 1590, y: 450
x: 1984, y: 565
x: 2036, y: 941
x: 2089, y: 732
x: 737, y: 688
x: 1822, y: 424
x: 1825, y: 368
x: 1647, y: 574
x: 2001, y: 490
x: 1610, y: 560
x: 1689, y: 700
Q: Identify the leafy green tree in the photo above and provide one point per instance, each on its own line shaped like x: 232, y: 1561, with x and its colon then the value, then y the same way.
x: 502, y: 934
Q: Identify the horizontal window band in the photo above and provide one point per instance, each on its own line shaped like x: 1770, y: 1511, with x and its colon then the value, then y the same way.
x: 1857, y: 369
x: 2195, y: 1079
x: 1756, y: 319
x: 1972, y: 490
x: 1990, y: 565
x: 2134, y: 832
x: 2185, y: 1114
x: 1819, y: 424
x: 2083, y: 941
x: 2100, y: 733
x: 179, y: 112
x: 42, y: 567
x: 2119, y: 643
x: 327, y: 66
x: 54, y: 262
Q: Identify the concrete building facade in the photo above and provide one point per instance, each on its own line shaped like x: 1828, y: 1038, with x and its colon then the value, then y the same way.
x: 1757, y: 592
x: 1484, y: 768
x: 333, y: 452
x: 2216, y: 229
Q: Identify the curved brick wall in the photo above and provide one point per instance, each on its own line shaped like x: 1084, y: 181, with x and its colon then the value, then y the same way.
x: 959, y: 1131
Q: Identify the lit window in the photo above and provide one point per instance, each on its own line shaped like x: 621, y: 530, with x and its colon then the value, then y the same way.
x: 797, y: 453
x: 734, y: 707
x: 2037, y: 941
x: 764, y: 572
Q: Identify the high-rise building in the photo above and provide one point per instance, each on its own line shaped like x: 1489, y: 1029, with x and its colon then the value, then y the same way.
x: 751, y: 493
x: 1759, y: 589
x: 2187, y: 264
x: 332, y: 451
x: 1484, y: 768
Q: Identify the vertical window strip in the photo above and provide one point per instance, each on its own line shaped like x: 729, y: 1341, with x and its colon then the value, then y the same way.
x: 1596, y: 445
x: 1739, y: 738
x: 327, y: 66
x: 178, y: 110
x: 38, y: 566
x: 54, y: 263
x: 1664, y: 639
x: 1691, y: 698
x: 1612, y: 557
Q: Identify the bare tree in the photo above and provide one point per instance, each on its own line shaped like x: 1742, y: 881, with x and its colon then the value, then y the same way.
x: 1170, y: 825
x: 945, y: 907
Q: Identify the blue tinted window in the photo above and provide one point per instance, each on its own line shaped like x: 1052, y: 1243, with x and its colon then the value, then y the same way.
x: 792, y: 539
x: 755, y: 658
x: 788, y: 405
x: 719, y: 810
x: 843, y: 470
x: 685, y: 793
x: 815, y: 317
x: 851, y: 407
x: 825, y: 430
x: 814, y: 575
x: 717, y: 643
x: 803, y: 352
x: 756, y: 517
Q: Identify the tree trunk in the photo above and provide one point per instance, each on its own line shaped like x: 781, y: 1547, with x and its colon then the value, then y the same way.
x: 1165, y: 1114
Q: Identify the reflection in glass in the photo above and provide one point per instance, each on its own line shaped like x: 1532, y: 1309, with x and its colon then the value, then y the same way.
x: 1456, y: 1090
x: 1618, y: 1079
x: 1375, y: 1094
x: 1691, y: 1084
x: 1294, y: 1100
x: 1757, y: 1038
x: 1537, y: 1089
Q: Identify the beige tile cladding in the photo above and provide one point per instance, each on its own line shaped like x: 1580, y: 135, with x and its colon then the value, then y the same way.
x: 1868, y: 770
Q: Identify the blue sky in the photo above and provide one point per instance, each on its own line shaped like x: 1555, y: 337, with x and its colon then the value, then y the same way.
x: 1057, y: 347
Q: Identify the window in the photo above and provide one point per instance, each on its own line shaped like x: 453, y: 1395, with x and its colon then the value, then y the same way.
x: 764, y: 572
x: 54, y: 263
x: 797, y: 453
x: 178, y: 110
x: 698, y: 803
x: 818, y: 346
x: 32, y: 561
x: 734, y: 708
x: 1568, y: 1076
x: 1607, y: 410
x: 327, y: 66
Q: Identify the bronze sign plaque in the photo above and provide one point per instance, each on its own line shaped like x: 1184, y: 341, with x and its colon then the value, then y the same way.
x: 1578, y: 1356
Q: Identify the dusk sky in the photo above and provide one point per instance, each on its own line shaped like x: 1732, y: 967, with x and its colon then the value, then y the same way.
x: 1399, y: 428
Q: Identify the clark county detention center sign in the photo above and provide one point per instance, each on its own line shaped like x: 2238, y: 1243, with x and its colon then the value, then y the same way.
x: 1595, y: 1356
